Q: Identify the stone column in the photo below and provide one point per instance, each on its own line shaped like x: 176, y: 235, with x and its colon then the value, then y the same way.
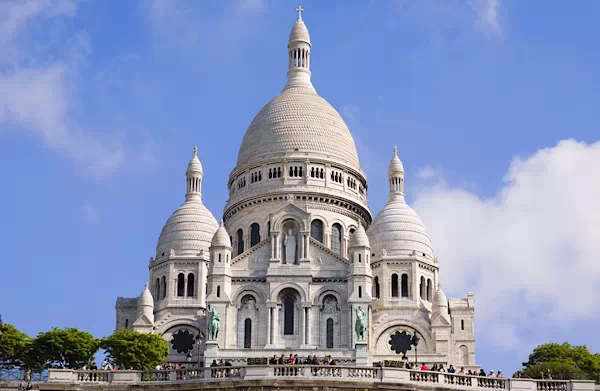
x: 272, y: 246
x: 275, y: 323
x: 302, y: 326
x: 269, y: 326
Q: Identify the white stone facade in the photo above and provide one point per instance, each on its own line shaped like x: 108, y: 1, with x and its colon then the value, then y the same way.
x: 298, y: 252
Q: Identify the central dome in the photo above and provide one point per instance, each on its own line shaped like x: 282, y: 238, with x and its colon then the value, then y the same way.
x: 298, y: 120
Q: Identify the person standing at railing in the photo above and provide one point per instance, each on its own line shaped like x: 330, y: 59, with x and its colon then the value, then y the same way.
x: 462, y: 371
x: 500, y: 374
x: 491, y: 374
x: 481, y: 372
x: 441, y: 368
x: 424, y: 367
x: 451, y: 369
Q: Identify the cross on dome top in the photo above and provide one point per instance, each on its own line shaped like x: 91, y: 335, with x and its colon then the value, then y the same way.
x: 395, y: 150
x: 299, y: 10
x: 195, y: 150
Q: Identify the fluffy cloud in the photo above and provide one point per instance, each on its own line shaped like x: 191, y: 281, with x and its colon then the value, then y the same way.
x: 37, y: 96
x: 533, y: 246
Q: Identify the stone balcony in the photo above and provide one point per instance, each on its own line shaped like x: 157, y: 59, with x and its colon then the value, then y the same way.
x: 289, y: 377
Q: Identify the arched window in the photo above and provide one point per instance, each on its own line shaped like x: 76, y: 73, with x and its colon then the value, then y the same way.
x: 218, y: 291
x: 394, y: 285
x: 254, y: 234
x: 405, y: 285
x: 190, y: 285
x: 164, y: 287
x: 180, y: 284
x: 248, y: 333
x: 126, y: 323
x: 376, y: 287
x: 219, y: 258
x: 463, y: 355
x: 429, y: 290
x: 336, y: 238
x: 422, y: 288
x: 462, y: 324
x: 329, y: 333
x: 157, y: 289
x: 269, y: 228
x: 359, y: 259
x: 316, y: 230
x: 240, y: 241
x: 288, y: 315
x: 359, y: 291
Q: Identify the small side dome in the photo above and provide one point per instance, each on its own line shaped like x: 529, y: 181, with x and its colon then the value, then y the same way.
x: 440, y: 299
x: 359, y: 238
x: 299, y: 33
x: 221, y: 238
x: 145, y: 299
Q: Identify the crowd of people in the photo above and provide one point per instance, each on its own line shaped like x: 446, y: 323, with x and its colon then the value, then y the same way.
x: 293, y: 359
x: 451, y: 369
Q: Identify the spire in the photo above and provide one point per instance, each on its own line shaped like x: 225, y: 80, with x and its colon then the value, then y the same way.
x: 396, y: 176
x: 299, y: 49
x: 193, y: 177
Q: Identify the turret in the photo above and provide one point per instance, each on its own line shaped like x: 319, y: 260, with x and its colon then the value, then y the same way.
x: 145, y: 312
x: 359, y: 251
x: 219, y: 273
x: 193, y: 176
x: 299, y: 48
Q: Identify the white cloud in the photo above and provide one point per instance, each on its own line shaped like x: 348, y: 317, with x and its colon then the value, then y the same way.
x: 37, y: 96
x: 350, y: 113
x: 486, y: 12
x: 428, y: 173
x: 531, y: 249
x: 89, y: 213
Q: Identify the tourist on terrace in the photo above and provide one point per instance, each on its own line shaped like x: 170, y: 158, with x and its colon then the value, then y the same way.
x: 491, y: 374
x: 424, y: 367
x: 441, y: 368
x: 451, y: 369
x: 291, y: 360
x: 308, y: 360
x: 315, y: 360
x: 273, y: 361
x: 409, y: 365
x: 500, y: 374
x: 434, y: 368
x: 281, y: 360
x: 214, y: 364
x: 481, y: 372
x: 462, y: 371
x: 548, y: 374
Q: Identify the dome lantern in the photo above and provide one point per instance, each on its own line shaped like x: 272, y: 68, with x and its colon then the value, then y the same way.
x: 396, y: 176
x: 193, y: 177
x: 299, y: 48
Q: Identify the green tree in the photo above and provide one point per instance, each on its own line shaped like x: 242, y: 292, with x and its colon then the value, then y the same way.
x: 64, y: 348
x: 564, y: 361
x: 13, y: 346
x: 132, y: 350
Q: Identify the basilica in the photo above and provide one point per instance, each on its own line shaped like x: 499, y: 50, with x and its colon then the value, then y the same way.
x: 298, y: 262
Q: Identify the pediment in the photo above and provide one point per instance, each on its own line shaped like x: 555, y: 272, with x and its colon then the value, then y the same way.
x: 440, y: 321
x: 143, y: 321
x: 325, y: 259
x: 291, y: 211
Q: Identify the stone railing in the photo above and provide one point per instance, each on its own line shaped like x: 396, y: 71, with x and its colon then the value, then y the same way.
x: 60, y: 378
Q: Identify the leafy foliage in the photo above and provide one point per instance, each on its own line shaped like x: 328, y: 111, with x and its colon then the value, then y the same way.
x: 132, y: 350
x: 564, y: 361
x: 64, y: 348
x: 13, y: 346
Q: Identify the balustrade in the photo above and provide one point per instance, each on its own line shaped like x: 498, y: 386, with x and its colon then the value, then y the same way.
x: 90, y: 376
x: 156, y: 376
x: 551, y: 385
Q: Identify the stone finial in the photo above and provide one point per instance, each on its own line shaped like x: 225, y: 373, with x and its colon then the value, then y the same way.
x: 146, y: 285
x: 299, y: 11
x: 395, y: 150
x: 195, y: 150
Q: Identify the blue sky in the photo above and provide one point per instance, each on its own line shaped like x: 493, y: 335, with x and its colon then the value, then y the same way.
x: 493, y: 105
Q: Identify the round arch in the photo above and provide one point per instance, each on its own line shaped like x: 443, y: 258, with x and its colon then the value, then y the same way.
x: 382, y: 329
x: 292, y: 285
x: 297, y: 219
x: 318, y: 297
x: 238, y: 295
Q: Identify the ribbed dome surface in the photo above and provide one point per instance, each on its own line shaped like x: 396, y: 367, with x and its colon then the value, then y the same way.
x: 298, y: 118
x: 399, y: 230
x: 299, y: 32
x: 189, y: 229
x: 396, y: 166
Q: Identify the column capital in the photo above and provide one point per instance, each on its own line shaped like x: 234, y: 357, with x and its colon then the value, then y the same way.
x: 306, y: 304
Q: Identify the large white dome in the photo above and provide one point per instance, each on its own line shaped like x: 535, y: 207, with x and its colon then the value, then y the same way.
x: 397, y: 228
x: 192, y: 226
x: 189, y: 229
x: 298, y: 120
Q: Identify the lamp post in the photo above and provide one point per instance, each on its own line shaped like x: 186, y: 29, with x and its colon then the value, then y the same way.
x: 198, y: 341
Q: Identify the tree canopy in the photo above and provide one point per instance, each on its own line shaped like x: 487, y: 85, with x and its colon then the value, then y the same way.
x: 132, y: 350
x: 65, y: 348
x: 13, y: 346
x: 564, y: 361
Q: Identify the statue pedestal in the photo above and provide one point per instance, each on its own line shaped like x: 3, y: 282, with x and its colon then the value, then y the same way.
x: 361, y: 355
x: 211, y: 353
